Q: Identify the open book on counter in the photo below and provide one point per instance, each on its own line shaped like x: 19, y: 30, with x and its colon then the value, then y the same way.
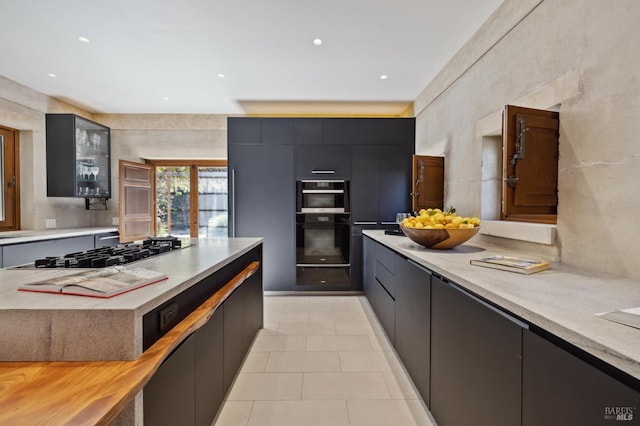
x: 512, y: 264
x: 103, y: 282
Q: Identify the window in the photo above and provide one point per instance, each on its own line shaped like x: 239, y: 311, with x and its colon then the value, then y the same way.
x: 9, y: 180
x: 191, y: 198
x: 529, y: 165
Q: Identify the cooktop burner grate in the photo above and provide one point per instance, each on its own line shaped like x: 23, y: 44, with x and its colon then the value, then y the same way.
x: 119, y: 254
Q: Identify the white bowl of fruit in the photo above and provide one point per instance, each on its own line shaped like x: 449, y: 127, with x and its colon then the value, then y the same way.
x: 437, y: 229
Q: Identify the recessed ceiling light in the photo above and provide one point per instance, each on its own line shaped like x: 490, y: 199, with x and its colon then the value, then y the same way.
x: 165, y: 98
x: 84, y: 39
x: 220, y: 75
x: 317, y: 41
x: 52, y: 75
x: 383, y: 77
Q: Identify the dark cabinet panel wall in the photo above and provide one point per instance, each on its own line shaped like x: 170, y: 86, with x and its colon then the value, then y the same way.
x: 262, y: 204
x: 267, y: 155
x: 560, y: 389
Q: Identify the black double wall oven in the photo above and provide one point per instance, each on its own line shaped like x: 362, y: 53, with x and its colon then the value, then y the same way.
x: 322, y: 234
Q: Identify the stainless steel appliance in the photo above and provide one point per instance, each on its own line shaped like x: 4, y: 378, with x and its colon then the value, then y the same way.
x: 322, y: 196
x: 323, y: 235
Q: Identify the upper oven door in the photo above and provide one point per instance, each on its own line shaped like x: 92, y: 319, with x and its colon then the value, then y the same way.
x: 322, y: 196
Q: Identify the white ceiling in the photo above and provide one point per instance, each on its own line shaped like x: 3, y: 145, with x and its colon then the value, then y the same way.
x: 142, y: 51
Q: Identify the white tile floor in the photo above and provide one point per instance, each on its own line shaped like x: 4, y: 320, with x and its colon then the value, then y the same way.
x: 322, y: 360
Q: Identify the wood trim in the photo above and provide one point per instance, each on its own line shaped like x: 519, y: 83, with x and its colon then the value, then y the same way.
x: 95, y: 392
x: 199, y: 163
x: 12, y: 202
x: 193, y: 200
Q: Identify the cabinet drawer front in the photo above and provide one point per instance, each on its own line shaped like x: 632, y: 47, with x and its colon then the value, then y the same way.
x: 387, y: 258
x: 386, y: 311
x: 386, y: 278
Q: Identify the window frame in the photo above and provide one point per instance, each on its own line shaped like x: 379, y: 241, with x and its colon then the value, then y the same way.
x: 193, y: 179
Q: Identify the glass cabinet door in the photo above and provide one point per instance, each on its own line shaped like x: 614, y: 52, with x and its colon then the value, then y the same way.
x: 92, y: 159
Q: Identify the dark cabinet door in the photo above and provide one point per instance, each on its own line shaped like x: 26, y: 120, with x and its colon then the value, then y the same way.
x: 381, y: 182
x: 323, y: 161
x: 262, y: 204
x: 232, y: 337
x: 244, y: 130
x: 476, y: 361
x: 385, y: 309
x: 209, y: 366
x: 365, y: 194
x: 169, y: 395
x: 252, y: 310
x: 560, y: 389
x: 277, y: 131
x: 394, y: 181
x: 413, y: 323
x: 307, y: 131
x: 368, y: 274
x: 335, y: 131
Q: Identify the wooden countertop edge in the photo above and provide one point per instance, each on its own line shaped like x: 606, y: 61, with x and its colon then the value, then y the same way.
x: 94, y: 392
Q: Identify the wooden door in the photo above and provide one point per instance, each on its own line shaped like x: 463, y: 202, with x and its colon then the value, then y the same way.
x: 137, y: 204
x: 530, y: 164
x: 9, y: 180
x: 428, y: 182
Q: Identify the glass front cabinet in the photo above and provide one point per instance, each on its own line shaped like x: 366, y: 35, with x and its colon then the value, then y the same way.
x: 78, y: 163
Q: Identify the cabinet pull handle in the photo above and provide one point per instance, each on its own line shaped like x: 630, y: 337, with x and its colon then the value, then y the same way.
x: 365, y: 223
x: 323, y: 172
x: 388, y: 223
x: 233, y: 202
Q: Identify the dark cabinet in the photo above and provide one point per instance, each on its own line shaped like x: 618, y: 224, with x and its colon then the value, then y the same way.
x: 375, y: 131
x: 336, y: 131
x: 277, y: 131
x: 209, y: 355
x: 262, y: 204
x: 476, y: 360
x: 308, y: 131
x: 561, y: 389
x: 413, y: 323
x: 232, y: 337
x: 169, y: 394
x: 368, y: 270
x: 244, y: 131
x: 381, y: 183
x: 78, y: 157
x: 323, y: 162
x: 384, y: 307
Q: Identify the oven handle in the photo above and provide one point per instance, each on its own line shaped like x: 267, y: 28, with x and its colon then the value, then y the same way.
x: 323, y: 191
x: 323, y: 172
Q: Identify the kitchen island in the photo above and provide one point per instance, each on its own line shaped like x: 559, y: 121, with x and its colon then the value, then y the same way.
x: 41, y: 333
x: 509, y: 348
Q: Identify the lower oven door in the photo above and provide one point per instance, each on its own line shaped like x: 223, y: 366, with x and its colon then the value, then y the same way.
x: 322, y: 249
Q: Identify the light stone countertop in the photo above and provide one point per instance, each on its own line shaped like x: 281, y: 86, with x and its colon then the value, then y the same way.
x: 45, y: 327
x: 562, y: 300
x: 25, y: 236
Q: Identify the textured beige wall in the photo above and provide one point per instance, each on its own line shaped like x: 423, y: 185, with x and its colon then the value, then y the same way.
x: 583, y: 53
x: 136, y: 137
x: 24, y: 109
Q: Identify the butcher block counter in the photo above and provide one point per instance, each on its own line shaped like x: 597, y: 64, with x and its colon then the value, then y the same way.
x: 82, y: 360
